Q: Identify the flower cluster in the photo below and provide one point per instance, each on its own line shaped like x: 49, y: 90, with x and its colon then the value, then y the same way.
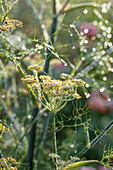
x: 12, y: 160
x: 3, y: 128
x: 7, y: 162
x: 52, y: 155
x: 12, y: 168
x: 58, y: 88
x: 35, y: 67
x: 54, y: 94
x: 29, y: 79
x: 61, y: 163
x: 9, y: 25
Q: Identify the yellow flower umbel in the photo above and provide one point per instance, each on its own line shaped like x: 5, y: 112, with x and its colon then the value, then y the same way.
x: 58, y: 92
x: 53, y: 94
x: 7, y: 163
x: 29, y: 79
x: 9, y: 25
x: 3, y: 129
x: 35, y: 67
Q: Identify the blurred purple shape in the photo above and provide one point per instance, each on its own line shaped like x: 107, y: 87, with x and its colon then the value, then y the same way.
x: 87, y: 168
x: 89, y: 30
x: 100, y: 167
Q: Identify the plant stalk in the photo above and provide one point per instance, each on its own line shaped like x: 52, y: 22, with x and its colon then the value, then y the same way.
x: 32, y: 141
x: 52, y: 33
x: 54, y: 138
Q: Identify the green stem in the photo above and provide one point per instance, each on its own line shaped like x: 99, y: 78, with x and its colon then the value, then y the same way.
x: 54, y: 138
x: 79, y: 164
x: 82, y: 5
x: 52, y: 34
x: 93, y: 64
x: 97, y: 139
